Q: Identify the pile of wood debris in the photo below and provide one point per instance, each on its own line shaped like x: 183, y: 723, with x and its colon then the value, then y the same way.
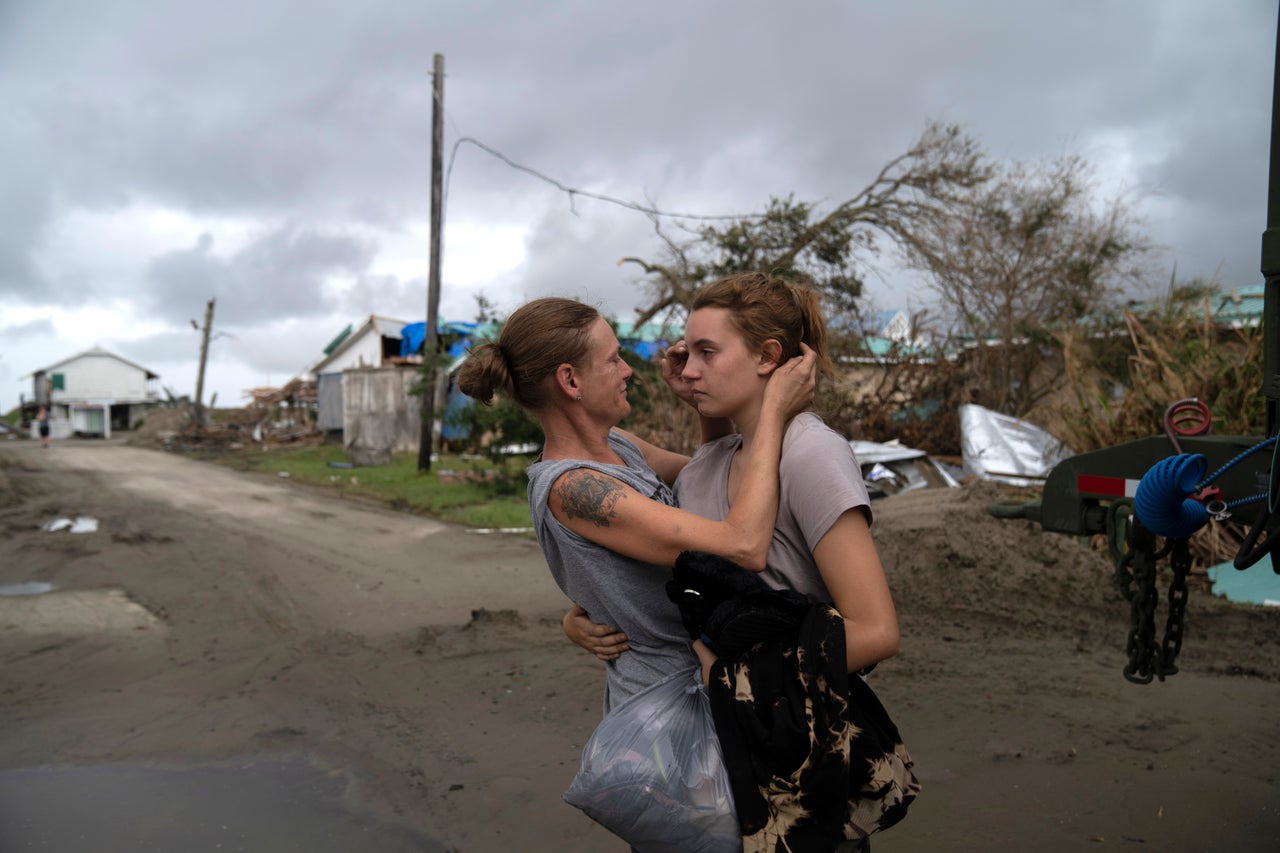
x: 273, y: 417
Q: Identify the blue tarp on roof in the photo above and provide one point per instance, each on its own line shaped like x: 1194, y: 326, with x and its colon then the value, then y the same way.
x: 648, y: 340
x: 411, y: 338
x: 413, y: 335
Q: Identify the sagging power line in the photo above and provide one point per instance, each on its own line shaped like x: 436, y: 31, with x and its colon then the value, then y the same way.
x: 648, y: 210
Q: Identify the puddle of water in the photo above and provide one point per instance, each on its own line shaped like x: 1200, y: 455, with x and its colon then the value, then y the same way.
x: 281, y: 804
x: 28, y: 588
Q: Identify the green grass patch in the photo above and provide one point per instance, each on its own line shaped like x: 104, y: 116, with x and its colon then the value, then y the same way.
x: 502, y: 512
x: 469, y: 491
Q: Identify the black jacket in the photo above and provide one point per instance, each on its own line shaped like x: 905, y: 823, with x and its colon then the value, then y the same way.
x: 811, y: 753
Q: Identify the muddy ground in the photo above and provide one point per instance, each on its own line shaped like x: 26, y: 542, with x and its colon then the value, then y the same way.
x: 222, y: 619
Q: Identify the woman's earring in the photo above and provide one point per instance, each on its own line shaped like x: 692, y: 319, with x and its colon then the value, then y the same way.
x: 579, y: 397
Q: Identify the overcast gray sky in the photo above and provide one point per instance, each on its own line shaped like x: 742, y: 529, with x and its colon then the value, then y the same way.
x: 275, y: 154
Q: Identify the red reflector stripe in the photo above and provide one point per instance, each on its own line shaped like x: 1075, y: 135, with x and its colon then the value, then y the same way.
x: 1116, y: 487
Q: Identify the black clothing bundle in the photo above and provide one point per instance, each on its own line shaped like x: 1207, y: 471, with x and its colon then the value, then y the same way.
x: 811, y: 753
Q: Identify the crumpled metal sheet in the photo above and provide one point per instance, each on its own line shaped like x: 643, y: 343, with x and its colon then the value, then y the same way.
x: 1007, y: 449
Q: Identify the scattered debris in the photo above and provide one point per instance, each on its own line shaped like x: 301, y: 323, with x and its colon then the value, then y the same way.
x: 80, y: 524
x: 273, y: 417
x: 889, y: 468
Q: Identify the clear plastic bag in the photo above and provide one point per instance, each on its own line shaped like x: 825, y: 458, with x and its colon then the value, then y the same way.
x: 652, y: 773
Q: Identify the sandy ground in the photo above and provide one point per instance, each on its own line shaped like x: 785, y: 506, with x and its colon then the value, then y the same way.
x: 219, y: 616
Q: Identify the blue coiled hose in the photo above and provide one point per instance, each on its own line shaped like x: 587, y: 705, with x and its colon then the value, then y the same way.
x: 1162, y: 503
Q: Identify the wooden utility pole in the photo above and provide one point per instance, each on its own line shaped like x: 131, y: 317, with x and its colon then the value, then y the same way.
x: 426, y: 439
x: 204, y: 355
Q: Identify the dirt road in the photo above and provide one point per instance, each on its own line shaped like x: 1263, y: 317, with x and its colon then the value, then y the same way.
x: 218, y: 616
x: 219, y: 619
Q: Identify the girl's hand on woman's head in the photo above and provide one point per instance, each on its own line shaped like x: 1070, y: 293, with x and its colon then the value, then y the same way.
x: 674, y: 358
x: 791, y: 386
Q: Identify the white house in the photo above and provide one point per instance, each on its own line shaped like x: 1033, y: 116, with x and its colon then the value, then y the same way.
x: 370, y: 344
x: 95, y: 392
x: 893, y: 325
x: 374, y: 343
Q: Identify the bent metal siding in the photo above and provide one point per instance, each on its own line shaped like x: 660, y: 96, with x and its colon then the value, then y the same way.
x: 329, y: 402
x: 379, y: 415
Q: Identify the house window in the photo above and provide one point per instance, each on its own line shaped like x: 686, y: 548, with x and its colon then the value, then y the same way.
x: 58, y: 382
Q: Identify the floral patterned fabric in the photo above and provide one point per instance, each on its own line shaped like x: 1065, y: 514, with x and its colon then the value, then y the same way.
x: 812, y: 755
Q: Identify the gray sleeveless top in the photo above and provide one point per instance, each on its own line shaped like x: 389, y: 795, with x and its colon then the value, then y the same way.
x: 614, y: 589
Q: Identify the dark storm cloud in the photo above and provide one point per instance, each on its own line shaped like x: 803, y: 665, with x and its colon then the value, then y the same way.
x: 311, y: 124
x: 720, y: 112
x: 230, y: 108
x: 391, y: 295
x: 280, y: 274
x: 265, y: 350
x: 176, y: 346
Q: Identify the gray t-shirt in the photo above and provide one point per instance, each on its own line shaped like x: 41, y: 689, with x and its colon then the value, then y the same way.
x: 616, y: 590
x: 820, y: 480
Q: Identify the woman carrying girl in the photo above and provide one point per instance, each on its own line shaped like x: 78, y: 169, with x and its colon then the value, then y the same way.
x: 845, y: 773
x: 600, y: 498
x: 740, y: 329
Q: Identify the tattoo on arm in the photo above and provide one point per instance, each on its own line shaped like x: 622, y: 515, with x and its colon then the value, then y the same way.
x: 590, y: 496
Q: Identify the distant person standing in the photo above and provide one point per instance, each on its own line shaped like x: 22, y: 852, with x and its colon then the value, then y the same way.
x: 42, y: 420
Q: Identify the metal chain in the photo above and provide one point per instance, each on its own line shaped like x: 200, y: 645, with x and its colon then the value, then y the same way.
x: 1133, y: 549
x: 1181, y: 562
x: 1141, y: 645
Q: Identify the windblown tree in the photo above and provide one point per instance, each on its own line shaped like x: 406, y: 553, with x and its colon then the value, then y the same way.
x: 1029, y: 253
x: 833, y: 250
